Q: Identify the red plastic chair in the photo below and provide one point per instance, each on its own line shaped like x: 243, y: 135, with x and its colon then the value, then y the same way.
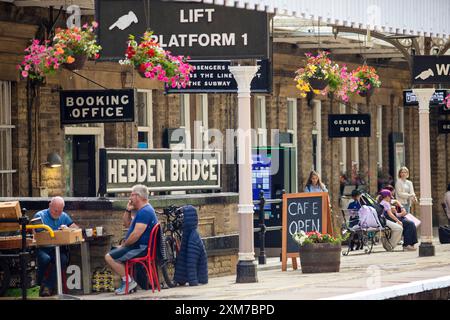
x: 148, y: 261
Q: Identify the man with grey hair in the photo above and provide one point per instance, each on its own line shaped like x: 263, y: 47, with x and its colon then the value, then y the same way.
x: 137, y: 238
x: 57, y: 219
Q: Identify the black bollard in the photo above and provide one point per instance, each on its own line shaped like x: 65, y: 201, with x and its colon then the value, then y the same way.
x: 262, y: 230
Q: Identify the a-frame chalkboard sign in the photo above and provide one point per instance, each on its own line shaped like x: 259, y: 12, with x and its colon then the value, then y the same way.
x: 309, y: 211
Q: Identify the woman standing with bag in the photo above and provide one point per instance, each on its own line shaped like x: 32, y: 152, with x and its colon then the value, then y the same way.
x: 404, y: 189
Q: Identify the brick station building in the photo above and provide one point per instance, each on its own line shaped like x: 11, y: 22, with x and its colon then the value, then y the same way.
x: 156, y: 111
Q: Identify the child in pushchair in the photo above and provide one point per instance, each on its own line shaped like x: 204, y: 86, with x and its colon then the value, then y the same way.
x: 353, y: 223
x: 363, y: 223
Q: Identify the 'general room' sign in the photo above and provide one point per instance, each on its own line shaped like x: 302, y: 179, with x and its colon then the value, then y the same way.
x: 159, y: 170
x: 348, y: 125
x: 83, y: 106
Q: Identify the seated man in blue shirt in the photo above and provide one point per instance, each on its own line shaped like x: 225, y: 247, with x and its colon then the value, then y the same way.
x: 136, y: 240
x: 55, y: 218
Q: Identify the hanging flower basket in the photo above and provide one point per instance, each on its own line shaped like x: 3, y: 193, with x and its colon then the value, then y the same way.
x: 367, y: 80
x: 78, y: 63
x: 153, y: 62
x: 77, y: 45
x: 322, y: 75
x: 367, y: 93
x: 318, y: 84
x: 40, y: 60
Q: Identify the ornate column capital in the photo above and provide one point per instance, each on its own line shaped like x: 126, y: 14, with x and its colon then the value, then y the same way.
x: 243, y: 76
x: 424, y: 96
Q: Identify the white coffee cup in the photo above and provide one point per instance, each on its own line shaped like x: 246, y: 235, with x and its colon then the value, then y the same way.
x: 99, y: 231
x: 89, y: 232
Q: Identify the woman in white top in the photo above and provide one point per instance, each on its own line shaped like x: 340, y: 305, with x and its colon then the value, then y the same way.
x: 404, y: 189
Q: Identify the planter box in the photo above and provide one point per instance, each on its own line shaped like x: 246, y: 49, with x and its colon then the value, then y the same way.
x: 320, y: 257
x: 10, y: 210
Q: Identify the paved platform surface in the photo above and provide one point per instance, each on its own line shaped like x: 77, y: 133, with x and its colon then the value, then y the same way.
x: 359, y: 273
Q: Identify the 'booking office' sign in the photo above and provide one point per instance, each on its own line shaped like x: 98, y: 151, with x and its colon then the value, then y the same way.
x: 82, y: 106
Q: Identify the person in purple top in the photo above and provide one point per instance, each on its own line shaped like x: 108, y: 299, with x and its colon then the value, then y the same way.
x: 392, y: 221
x: 136, y: 240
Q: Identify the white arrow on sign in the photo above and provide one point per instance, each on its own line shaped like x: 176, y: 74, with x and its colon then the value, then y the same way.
x: 125, y: 21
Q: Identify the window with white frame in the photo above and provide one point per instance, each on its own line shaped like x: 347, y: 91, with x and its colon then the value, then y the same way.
x: 201, y: 122
x: 6, y: 170
x: 317, y: 136
x: 292, y: 119
x: 260, y: 122
x: 145, y: 119
x: 185, y: 119
x: 343, y: 162
x: 380, y: 135
x: 401, y: 119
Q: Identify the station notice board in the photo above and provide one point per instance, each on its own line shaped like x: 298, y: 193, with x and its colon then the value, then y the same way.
x: 308, y: 211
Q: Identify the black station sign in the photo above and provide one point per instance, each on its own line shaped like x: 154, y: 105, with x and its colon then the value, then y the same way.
x: 159, y: 170
x: 410, y: 99
x: 444, y: 126
x: 431, y: 70
x: 83, y: 106
x: 214, y: 76
x: 197, y: 30
x: 348, y: 125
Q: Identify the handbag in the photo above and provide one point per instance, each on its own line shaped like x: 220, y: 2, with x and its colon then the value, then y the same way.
x: 411, y: 218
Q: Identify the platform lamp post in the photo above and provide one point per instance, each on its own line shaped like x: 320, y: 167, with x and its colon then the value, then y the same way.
x: 246, y: 267
x: 426, y: 247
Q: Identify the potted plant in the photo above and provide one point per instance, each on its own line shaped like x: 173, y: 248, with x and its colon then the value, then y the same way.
x: 154, y: 62
x: 319, y: 252
x: 40, y: 59
x: 368, y: 79
x: 77, y: 45
x: 321, y: 75
x: 317, y: 73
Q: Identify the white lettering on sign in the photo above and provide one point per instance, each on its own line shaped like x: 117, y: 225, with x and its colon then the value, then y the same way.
x: 296, y: 208
x: 113, y: 100
x: 443, y: 69
x: 203, y: 39
x: 112, y: 171
x: 154, y: 170
x: 142, y: 170
x: 306, y: 225
x: 195, y: 15
x: 132, y: 170
x: 347, y: 129
x: 349, y: 122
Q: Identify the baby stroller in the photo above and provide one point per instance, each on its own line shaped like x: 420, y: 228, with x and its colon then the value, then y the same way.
x: 359, y: 237
x: 363, y: 235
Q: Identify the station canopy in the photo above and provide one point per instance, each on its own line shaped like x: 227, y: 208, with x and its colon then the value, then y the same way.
x: 373, y: 29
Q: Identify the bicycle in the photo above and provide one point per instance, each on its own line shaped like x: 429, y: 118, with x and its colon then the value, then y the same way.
x: 171, y: 230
